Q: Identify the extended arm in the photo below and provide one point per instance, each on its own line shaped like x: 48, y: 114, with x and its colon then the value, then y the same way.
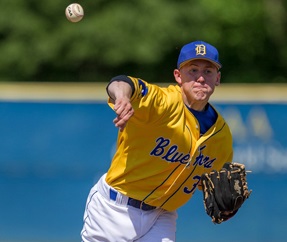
x: 120, y: 92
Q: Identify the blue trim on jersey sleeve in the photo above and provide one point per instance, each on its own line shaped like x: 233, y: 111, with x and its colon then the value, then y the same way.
x: 144, y: 88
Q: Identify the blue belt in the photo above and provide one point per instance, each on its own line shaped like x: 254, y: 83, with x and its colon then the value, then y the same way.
x: 132, y: 202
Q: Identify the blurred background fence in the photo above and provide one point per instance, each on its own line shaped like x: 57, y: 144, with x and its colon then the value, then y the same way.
x: 57, y: 139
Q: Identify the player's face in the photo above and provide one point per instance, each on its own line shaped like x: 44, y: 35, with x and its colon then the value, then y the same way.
x: 197, y: 79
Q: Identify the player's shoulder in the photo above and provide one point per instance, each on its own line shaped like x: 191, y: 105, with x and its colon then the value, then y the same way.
x: 170, y: 89
x: 169, y: 92
x: 154, y: 88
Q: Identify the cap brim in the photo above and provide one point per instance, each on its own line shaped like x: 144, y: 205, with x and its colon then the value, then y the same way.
x: 218, y: 65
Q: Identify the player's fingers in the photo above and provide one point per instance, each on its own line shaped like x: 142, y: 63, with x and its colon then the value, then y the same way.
x: 121, y: 121
x: 124, y: 111
x: 122, y: 103
x: 124, y: 116
x: 123, y: 108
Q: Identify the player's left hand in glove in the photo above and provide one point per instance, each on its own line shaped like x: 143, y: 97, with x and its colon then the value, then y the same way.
x: 225, y: 191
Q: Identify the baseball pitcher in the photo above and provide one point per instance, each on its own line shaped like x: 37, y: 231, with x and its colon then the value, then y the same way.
x: 171, y: 141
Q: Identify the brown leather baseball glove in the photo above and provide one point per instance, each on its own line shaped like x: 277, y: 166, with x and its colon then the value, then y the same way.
x: 224, y: 191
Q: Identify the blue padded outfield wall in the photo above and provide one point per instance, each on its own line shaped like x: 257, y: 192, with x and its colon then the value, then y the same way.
x: 51, y: 153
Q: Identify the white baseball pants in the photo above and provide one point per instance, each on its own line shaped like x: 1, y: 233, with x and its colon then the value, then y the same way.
x: 115, y: 221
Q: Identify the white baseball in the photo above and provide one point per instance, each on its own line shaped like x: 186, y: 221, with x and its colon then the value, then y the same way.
x: 74, y: 12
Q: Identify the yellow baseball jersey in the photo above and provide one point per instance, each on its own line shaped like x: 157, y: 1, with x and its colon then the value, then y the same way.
x: 160, y: 155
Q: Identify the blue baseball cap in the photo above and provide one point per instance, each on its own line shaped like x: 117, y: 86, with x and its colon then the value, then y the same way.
x: 198, y: 50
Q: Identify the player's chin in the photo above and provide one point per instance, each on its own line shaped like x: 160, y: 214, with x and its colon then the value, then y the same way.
x: 204, y: 93
x: 201, y: 96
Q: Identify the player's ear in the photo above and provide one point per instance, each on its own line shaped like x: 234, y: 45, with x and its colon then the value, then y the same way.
x: 218, y: 78
x: 177, y: 76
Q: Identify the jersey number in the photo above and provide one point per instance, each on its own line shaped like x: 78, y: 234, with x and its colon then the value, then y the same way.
x: 197, y: 180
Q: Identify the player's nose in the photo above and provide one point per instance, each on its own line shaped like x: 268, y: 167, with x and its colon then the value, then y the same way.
x: 200, y: 78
